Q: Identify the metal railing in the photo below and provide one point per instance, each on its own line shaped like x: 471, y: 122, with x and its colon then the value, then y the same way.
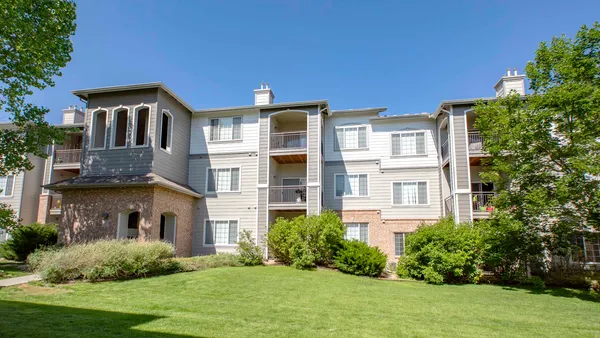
x: 449, y: 205
x: 288, y: 194
x: 482, y: 201
x: 289, y: 140
x: 445, y: 150
x: 67, y: 156
x: 475, y: 141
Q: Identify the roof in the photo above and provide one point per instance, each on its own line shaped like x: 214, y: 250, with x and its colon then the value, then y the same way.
x: 264, y: 106
x: 118, y: 181
x: 404, y: 116
x: 376, y: 110
x: 84, y: 93
x: 459, y: 101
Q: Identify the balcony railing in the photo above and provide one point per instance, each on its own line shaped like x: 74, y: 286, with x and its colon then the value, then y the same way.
x: 289, y: 194
x: 482, y: 201
x: 449, y: 205
x: 475, y: 141
x: 55, y: 204
x: 445, y: 150
x: 289, y: 140
x: 67, y: 156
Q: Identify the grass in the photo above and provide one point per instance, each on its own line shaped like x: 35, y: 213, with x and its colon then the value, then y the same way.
x: 11, y: 269
x: 281, y: 301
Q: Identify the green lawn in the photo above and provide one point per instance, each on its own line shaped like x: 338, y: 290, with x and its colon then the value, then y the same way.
x: 280, y: 301
x: 10, y: 269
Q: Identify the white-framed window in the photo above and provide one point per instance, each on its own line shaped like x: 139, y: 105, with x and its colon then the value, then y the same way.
x: 141, y: 125
x: 410, y: 193
x: 357, y: 231
x: 223, y: 180
x: 7, y: 184
x: 226, y: 128
x: 220, y: 232
x: 120, y: 126
x: 166, y: 130
x: 350, y: 137
x: 590, y: 248
x: 399, y: 243
x: 409, y: 143
x: 98, y: 133
x: 351, y: 185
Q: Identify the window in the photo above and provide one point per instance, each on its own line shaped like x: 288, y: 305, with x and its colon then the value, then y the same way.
x: 409, y: 193
x: 226, y: 129
x: 352, y: 137
x: 223, y: 180
x: 404, y: 144
x: 142, y: 123
x: 590, y: 248
x: 351, y: 185
x: 399, y: 238
x: 6, y: 185
x: 98, y: 135
x: 220, y: 232
x: 120, y: 121
x: 166, y: 130
x: 357, y: 231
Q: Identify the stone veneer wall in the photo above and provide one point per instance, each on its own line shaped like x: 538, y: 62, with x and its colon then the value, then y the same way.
x: 83, y: 214
x: 381, y: 231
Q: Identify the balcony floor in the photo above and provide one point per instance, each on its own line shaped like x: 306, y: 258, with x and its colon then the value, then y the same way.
x: 287, y: 206
x: 289, y: 156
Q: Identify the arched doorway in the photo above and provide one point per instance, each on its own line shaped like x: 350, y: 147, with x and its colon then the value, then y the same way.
x: 128, y: 224
x: 168, y: 227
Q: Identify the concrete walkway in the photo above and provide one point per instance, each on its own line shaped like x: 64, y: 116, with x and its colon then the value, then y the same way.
x: 18, y: 280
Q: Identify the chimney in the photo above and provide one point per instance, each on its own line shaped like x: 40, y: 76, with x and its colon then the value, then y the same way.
x: 509, y: 82
x: 264, y: 95
x: 73, y: 115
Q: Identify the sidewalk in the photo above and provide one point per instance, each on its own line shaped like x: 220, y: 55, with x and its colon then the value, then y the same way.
x: 18, y: 280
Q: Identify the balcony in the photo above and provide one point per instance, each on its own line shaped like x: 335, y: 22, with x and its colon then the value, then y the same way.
x: 288, y: 147
x: 289, y: 197
x: 476, y: 144
x: 482, y: 204
x: 449, y: 205
x: 67, y: 158
x: 55, y: 205
x: 445, y: 153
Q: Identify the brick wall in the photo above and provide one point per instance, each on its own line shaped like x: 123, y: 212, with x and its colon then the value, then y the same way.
x: 43, y: 207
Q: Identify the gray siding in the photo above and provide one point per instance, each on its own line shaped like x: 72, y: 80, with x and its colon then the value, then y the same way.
x: 314, y: 145
x: 263, y: 148
x: 464, y: 207
x: 459, y: 140
x: 174, y: 165
x: 32, y: 189
x: 14, y: 201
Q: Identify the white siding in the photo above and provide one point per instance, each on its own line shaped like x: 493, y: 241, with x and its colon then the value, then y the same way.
x: 200, y: 139
x: 15, y: 200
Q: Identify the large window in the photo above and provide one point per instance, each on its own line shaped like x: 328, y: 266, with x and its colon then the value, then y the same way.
x: 98, y: 134
x: 399, y: 240
x: 226, y: 129
x: 220, y: 232
x: 6, y: 185
x: 354, y: 185
x: 223, y: 180
x: 405, y: 144
x: 141, y: 126
x: 350, y: 137
x: 166, y: 130
x: 590, y: 248
x: 120, y: 121
x: 357, y: 231
x: 409, y: 193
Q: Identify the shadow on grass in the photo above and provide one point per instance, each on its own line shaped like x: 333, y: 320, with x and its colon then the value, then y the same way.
x: 21, y: 319
x: 585, y: 295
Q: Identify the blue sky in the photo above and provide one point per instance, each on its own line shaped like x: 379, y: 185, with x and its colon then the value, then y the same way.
x: 404, y: 55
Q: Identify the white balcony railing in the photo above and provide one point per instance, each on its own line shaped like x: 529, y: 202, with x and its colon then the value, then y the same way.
x: 475, y: 141
x: 289, y: 194
x: 445, y: 150
x: 289, y: 140
x: 449, y: 205
x: 482, y: 201
x: 67, y: 156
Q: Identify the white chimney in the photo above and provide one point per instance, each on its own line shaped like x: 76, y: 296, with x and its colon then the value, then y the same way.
x: 264, y: 95
x: 510, y: 82
x: 73, y: 115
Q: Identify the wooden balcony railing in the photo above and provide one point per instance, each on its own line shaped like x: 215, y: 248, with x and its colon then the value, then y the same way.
x: 482, y: 201
x: 475, y: 141
x: 67, y: 156
x: 289, y: 140
x: 445, y: 150
x: 289, y: 194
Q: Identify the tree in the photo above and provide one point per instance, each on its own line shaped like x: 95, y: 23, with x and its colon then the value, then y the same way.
x: 545, y: 148
x: 34, y: 45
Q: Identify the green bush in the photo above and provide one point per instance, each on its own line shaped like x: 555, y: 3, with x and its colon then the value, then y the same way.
x: 26, y: 239
x: 536, y: 282
x: 443, y: 252
x: 306, y: 241
x: 250, y: 254
x: 103, y: 259
x: 358, y: 258
x: 196, y: 263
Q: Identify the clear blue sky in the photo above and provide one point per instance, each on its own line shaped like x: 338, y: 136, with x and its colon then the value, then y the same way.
x: 405, y: 55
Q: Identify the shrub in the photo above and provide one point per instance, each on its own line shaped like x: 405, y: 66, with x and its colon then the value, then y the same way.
x: 210, y: 261
x: 564, y: 272
x: 306, y: 241
x: 358, y: 258
x: 443, y: 252
x: 536, y: 282
x: 250, y: 254
x: 104, y: 259
x: 26, y: 239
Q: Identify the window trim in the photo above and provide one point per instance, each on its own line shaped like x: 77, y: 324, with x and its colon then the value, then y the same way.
x: 170, y: 132
x: 206, y: 192
x: 410, y: 205
x: 368, y: 195
x: 226, y: 117
x: 12, y: 190
x: 584, y: 252
x: 403, y: 243
x: 368, y: 241
x: 113, y: 128
x: 424, y: 131
x: 215, y: 244
x: 335, y: 140
x: 136, y: 110
x: 93, y: 128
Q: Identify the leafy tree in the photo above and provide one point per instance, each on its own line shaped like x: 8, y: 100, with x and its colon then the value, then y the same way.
x: 545, y: 147
x: 34, y: 45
